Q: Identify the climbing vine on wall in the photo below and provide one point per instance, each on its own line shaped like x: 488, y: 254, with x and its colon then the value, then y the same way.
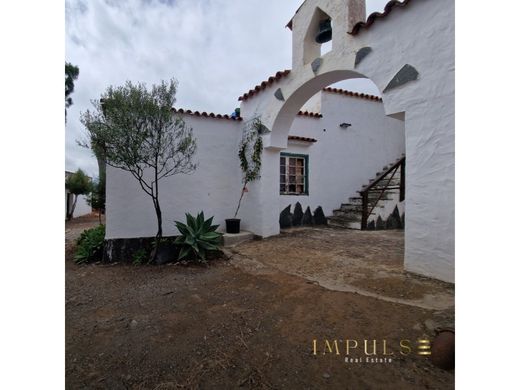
x: 250, y: 154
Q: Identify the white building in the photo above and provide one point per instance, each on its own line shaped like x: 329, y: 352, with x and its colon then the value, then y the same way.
x: 324, y: 157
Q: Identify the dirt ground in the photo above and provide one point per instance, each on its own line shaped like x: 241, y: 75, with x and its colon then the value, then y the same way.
x: 249, y: 322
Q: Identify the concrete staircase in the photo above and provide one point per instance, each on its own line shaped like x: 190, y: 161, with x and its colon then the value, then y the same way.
x: 384, y: 215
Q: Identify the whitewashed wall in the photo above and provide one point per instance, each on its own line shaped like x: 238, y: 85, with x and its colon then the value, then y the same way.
x: 422, y: 35
x: 340, y: 163
x: 213, y: 188
x: 82, y: 207
x: 343, y: 160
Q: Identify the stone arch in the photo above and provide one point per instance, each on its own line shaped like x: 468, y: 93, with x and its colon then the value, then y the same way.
x: 283, y: 118
x: 412, y: 62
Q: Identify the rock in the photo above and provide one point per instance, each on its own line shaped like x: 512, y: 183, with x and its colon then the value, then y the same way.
x: 326, y: 375
x: 431, y: 325
x: 307, y: 217
x: 227, y: 254
x: 133, y: 324
x: 279, y: 94
x: 123, y: 249
x: 380, y: 225
x: 319, y: 216
x: 417, y: 326
x: 297, y: 215
x: 167, y: 253
x: 394, y: 220
x: 361, y: 54
x: 285, y: 218
x: 315, y: 65
x: 406, y: 74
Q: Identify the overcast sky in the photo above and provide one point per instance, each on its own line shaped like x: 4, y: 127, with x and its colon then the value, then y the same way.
x: 216, y: 49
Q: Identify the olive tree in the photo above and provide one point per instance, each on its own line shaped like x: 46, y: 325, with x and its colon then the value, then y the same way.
x: 77, y: 184
x: 136, y: 130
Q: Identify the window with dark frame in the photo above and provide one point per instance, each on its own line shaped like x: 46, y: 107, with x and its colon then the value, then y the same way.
x: 293, y: 174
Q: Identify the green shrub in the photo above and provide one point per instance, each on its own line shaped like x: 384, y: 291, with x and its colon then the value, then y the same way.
x: 140, y: 256
x: 90, y: 245
x: 198, y: 236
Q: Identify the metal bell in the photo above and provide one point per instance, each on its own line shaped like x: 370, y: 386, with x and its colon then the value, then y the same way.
x: 325, y: 31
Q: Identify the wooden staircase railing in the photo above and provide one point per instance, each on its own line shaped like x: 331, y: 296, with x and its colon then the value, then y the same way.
x: 371, y: 188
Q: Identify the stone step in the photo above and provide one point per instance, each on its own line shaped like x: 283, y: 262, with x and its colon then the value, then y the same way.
x: 354, y: 201
x: 341, y: 224
x: 356, y: 208
x: 383, y: 182
x: 345, y: 218
x: 345, y: 213
x: 373, y: 196
x: 231, y: 240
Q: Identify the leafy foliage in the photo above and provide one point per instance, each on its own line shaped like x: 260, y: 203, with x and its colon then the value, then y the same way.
x: 139, y: 256
x: 250, y: 154
x: 78, y: 183
x: 71, y: 74
x: 135, y: 130
x: 90, y: 245
x: 96, y: 199
x: 198, y: 236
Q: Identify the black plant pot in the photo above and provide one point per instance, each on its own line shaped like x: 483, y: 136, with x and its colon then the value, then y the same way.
x: 233, y: 225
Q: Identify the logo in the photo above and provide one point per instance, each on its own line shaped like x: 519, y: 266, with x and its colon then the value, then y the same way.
x: 370, y: 351
x: 424, y: 347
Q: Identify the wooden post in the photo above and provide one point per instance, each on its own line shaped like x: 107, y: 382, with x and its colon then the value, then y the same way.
x: 364, y: 217
x: 402, y: 183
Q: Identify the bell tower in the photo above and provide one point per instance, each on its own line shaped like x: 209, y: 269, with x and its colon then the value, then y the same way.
x: 319, y: 21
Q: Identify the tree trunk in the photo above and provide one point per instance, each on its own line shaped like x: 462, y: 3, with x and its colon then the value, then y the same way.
x: 71, y: 211
x: 101, y: 160
x: 240, y: 200
x: 159, y: 219
x: 158, y: 236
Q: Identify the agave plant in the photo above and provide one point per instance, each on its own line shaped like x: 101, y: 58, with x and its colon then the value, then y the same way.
x: 198, y: 236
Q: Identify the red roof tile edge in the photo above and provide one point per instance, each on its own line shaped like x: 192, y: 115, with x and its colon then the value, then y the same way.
x: 316, y: 115
x: 353, y: 94
x: 206, y: 114
x: 378, y: 15
x: 264, y: 84
x: 304, y: 139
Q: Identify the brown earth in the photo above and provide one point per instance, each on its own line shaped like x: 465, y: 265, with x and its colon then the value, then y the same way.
x: 243, y: 323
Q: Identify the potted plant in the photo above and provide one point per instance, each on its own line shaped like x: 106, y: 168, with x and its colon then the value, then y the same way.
x: 250, y: 155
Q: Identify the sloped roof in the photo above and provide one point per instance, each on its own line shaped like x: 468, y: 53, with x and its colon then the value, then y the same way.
x: 353, y: 94
x: 371, y: 18
x: 304, y: 139
x: 378, y: 15
x: 205, y: 114
x: 264, y: 84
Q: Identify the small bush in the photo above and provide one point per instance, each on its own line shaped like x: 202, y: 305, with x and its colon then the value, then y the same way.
x: 90, y: 245
x: 140, y: 256
x: 198, y: 236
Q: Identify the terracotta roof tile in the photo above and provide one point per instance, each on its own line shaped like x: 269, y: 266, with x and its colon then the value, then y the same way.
x: 264, y: 84
x: 378, y: 15
x: 310, y: 114
x: 353, y: 94
x: 205, y: 114
x: 304, y: 139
